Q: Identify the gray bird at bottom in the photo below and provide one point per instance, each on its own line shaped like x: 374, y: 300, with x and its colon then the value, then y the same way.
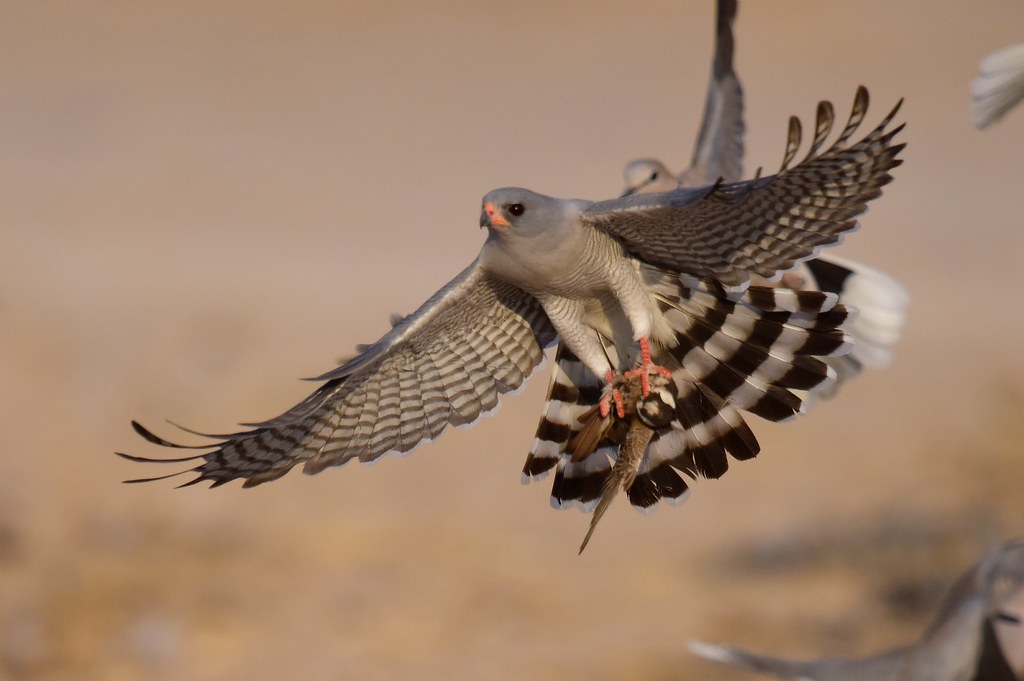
x: 978, y: 635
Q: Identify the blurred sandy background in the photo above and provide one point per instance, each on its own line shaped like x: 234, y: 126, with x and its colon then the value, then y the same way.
x: 202, y: 201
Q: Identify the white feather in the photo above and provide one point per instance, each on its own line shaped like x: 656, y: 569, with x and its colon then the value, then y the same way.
x: 999, y: 85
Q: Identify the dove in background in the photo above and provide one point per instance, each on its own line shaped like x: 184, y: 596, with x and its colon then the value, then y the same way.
x: 718, y: 152
x: 978, y: 635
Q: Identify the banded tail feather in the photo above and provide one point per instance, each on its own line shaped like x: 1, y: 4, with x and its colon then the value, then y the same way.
x: 880, y: 303
x: 572, y: 392
x: 755, y: 352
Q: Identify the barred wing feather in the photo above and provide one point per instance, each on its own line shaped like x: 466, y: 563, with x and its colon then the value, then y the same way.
x: 445, y: 364
x: 764, y: 226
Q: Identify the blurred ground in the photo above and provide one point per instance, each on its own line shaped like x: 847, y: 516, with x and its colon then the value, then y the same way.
x: 200, y: 202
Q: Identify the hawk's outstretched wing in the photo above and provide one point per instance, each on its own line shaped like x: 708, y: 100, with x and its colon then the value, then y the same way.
x: 445, y: 364
x: 765, y: 226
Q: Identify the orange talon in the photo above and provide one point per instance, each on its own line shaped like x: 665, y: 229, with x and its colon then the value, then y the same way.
x: 620, y: 408
x: 646, y: 367
x: 604, y: 406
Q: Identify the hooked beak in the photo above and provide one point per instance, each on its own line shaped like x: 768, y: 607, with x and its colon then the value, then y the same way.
x: 490, y: 218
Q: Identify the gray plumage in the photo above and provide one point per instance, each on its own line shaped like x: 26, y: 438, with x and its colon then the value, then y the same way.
x: 601, y: 277
x: 445, y: 364
x: 961, y: 644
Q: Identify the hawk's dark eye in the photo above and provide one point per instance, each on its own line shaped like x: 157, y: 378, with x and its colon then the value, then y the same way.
x: 654, y: 176
x: 516, y: 209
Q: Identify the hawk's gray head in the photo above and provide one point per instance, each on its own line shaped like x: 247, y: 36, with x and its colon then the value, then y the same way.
x: 530, y: 237
x: 514, y: 211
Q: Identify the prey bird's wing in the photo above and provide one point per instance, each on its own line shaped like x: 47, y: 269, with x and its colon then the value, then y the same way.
x: 719, y: 149
x: 445, y: 364
x: 764, y: 226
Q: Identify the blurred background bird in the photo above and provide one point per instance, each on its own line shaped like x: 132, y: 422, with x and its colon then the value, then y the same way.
x: 999, y: 85
x: 977, y: 635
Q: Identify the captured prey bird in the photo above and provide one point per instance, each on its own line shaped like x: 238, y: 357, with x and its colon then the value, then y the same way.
x: 639, y: 413
x: 880, y: 301
x: 636, y: 289
x: 999, y: 85
x: 978, y: 635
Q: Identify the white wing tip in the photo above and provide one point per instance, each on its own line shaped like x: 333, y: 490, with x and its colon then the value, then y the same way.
x: 527, y: 478
x: 678, y: 501
x: 998, y: 86
x: 562, y: 505
x: 670, y: 501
